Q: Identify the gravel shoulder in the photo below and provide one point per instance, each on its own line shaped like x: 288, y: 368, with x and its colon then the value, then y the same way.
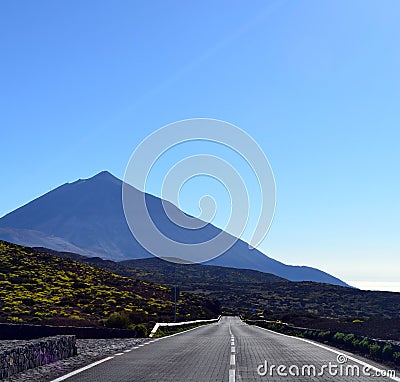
x: 89, y: 351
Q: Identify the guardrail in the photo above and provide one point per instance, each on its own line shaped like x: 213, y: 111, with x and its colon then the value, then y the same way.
x: 160, y: 324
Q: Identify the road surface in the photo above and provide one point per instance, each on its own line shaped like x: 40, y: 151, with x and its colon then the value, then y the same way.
x: 228, y: 351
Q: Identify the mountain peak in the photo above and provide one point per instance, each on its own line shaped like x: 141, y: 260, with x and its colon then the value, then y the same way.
x: 87, y: 217
x: 105, y: 175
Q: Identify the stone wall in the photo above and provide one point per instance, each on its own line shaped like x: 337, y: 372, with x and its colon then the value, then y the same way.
x: 10, y: 331
x: 17, y: 356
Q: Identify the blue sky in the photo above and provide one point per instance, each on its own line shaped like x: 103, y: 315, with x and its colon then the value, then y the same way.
x: 316, y: 84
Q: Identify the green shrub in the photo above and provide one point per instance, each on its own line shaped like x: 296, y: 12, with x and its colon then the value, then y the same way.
x: 364, y: 344
x: 375, y: 350
x: 141, y: 330
x: 118, y: 321
x: 396, y: 358
x: 324, y: 336
x: 160, y: 333
x: 338, y: 337
x: 348, y: 339
x: 356, y: 343
x: 387, y: 352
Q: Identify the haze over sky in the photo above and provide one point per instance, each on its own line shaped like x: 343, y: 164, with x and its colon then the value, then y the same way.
x: 316, y: 84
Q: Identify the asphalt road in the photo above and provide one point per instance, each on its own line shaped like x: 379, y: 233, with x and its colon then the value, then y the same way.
x: 228, y: 351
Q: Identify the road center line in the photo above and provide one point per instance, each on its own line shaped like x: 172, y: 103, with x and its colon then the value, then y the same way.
x: 232, y: 363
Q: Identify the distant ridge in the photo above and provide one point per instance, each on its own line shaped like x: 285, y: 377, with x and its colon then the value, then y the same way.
x: 86, y: 217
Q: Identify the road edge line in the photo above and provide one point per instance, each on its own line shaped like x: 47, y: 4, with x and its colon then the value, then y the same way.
x: 331, y: 350
x: 75, y: 372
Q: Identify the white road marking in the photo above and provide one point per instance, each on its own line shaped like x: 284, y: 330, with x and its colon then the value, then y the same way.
x: 119, y: 354
x: 127, y: 350
x: 232, y: 363
x: 333, y: 351
x: 75, y: 372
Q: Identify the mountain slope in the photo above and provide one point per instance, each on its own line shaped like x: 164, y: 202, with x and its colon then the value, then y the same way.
x: 36, y: 286
x: 84, y: 216
x: 87, y: 217
x: 241, y: 291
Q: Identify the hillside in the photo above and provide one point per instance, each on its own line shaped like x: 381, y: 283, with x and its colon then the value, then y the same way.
x: 174, y: 274
x: 40, y: 287
x: 86, y: 217
x: 244, y: 291
x: 182, y: 274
